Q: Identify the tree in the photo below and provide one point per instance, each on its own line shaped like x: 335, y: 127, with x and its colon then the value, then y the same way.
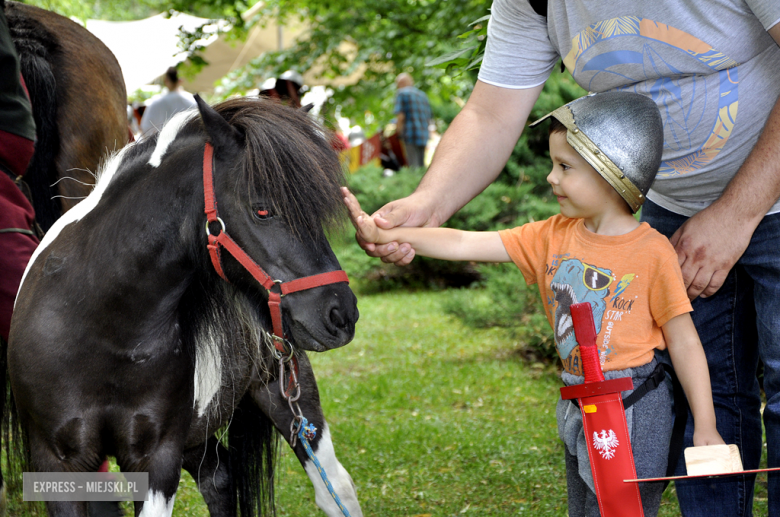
x: 384, y: 37
x: 387, y: 37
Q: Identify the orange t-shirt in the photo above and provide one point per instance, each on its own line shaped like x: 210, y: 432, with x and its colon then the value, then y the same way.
x: 632, y: 281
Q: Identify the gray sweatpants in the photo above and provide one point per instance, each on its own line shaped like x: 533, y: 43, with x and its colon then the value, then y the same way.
x: 650, y: 427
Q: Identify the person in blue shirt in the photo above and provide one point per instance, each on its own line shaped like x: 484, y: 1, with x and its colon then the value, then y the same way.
x: 413, y: 113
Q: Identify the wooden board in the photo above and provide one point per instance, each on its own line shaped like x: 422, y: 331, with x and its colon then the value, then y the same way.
x: 712, y: 459
x: 709, y: 461
x: 673, y: 478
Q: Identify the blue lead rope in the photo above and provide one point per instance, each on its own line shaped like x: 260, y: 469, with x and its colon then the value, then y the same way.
x: 308, y: 432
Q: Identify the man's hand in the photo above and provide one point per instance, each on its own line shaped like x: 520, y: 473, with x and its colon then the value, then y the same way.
x: 407, y: 211
x: 708, y: 245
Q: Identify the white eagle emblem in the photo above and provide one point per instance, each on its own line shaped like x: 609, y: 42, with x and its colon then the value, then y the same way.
x: 606, y: 443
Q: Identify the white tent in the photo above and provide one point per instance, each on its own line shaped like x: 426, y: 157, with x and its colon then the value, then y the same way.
x: 146, y: 48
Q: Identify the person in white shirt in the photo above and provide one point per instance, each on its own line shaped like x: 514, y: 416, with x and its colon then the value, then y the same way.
x: 164, y: 107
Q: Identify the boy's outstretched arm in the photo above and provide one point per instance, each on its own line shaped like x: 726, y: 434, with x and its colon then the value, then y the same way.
x: 440, y: 243
x: 690, y: 364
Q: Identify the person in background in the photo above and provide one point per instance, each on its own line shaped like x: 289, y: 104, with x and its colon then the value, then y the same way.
x: 413, y: 113
x: 162, y: 108
x: 287, y: 88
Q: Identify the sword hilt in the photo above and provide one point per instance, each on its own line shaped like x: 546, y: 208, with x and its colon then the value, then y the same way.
x: 585, y: 332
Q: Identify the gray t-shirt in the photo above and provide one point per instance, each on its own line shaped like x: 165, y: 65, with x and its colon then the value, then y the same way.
x: 710, y: 66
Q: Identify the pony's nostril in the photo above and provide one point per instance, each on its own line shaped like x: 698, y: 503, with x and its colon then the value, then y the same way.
x: 337, y: 318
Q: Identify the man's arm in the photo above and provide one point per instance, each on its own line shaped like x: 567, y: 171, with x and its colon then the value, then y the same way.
x: 710, y: 243
x: 469, y: 157
x: 146, y: 124
x: 400, y: 120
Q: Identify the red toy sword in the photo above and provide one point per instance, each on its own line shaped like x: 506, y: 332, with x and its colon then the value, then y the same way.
x: 604, y: 419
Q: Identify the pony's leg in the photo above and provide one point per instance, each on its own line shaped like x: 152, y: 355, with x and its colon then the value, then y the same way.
x: 268, y: 397
x: 208, y: 466
x: 164, y: 469
x: 44, y: 459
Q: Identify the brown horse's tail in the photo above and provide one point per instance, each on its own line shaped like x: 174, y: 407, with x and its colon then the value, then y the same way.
x: 254, y: 445
x: 36, y: 48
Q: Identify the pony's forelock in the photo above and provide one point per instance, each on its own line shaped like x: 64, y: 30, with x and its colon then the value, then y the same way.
x: 290, y: 160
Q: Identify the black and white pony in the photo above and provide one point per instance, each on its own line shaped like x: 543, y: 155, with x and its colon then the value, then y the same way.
x: 127, y: 342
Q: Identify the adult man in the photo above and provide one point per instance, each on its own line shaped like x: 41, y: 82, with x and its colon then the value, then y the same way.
x: 162, y: 108
x: 413, y: 114
x: 716, y: 195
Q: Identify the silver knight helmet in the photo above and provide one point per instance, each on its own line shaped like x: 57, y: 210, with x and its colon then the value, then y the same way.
x: 621, y: 135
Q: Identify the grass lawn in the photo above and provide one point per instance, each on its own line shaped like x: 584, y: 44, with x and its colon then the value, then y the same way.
x: 432, y: 418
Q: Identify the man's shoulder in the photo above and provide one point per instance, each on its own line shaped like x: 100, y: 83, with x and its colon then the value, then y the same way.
x: 154, y: 99
x: 411, y: 91
x: 185, y: 95
x: 181, y: 98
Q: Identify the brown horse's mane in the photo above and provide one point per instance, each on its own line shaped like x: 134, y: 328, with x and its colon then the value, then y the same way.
x: 291, y: 160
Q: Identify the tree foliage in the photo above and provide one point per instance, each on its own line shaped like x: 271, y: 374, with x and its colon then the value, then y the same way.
x: 384, y: 37
x: 126, y: 10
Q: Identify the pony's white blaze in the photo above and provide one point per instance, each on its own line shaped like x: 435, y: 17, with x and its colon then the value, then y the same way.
x: 338, y: 477
x: 208, y: 375
x: 157, y: 505
x: 168, y: 135
x: 104, y: 177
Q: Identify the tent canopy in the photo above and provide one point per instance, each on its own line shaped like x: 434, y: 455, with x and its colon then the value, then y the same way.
x: 146, y: 48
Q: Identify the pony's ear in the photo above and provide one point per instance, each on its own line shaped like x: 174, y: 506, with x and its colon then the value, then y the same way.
x: 308, y: 107
x: 221, y: 134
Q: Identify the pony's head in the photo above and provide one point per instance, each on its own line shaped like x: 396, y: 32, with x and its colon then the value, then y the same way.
x: 276, y: 185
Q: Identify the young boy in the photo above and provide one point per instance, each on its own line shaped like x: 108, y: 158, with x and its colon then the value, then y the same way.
x: 596, y: 251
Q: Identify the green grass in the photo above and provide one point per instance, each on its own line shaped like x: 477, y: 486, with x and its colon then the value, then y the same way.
x: 432, y: 418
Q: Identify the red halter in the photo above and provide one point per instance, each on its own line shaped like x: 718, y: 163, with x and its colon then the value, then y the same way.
x: 224, y: 240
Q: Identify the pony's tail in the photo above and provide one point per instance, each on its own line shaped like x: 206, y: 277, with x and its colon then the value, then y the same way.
x: 42, y: 170
x: 13, y: 437
x: 253, y: 444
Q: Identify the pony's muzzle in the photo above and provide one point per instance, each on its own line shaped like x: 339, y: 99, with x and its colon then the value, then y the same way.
x: 340, y: 317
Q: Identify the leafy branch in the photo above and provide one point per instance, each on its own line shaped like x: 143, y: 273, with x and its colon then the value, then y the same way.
x: 469, y: 57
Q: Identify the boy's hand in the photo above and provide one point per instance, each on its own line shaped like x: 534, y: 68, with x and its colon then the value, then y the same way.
x: 363, y: 223
x: 707, y: 436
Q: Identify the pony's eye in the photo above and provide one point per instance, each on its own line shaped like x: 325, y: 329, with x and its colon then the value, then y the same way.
x: 262, y: 213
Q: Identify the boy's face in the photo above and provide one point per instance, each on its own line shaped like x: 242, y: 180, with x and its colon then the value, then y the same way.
x: 581, y: 191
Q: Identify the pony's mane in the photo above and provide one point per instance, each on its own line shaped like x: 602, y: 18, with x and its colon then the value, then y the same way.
x: 291, y: 159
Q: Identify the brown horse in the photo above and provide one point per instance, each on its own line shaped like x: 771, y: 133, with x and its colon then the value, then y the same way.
x: 79, y: 105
